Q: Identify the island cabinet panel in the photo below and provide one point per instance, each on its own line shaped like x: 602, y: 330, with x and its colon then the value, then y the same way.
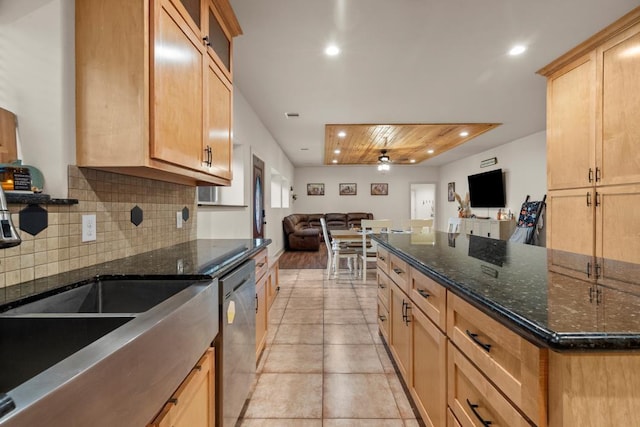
x: 151, y: 100
x: 262, y: 289
x: 474, y: 400
x: 400, y: 333
x: 429, y: 296
x: 399, y: 273
x: 451, y: 419
x: 382, y: 260
x: 516, y: 367
x: 428, y: 384
x: 384, y: 288
x: 594, y: 389
x: 384, y: 320
x: 193, y: 403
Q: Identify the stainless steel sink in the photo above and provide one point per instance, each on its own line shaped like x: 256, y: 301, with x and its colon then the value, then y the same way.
x: 106, y: 296
x: 28, y: 346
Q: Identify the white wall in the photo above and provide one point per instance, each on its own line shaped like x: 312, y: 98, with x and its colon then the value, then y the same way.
x: 396, y: 206
x: 235, y: 222
x: 524, y: 163
x: 37, y: 83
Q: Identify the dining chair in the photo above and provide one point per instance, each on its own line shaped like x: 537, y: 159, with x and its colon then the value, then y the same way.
x: 336, y: 252
x: 418, y: 225
x: 369, y: 249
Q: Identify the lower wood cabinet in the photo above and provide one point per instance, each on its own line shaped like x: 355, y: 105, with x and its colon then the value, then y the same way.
x: 428, y: 382
x: 193, y: 403
x: 400, y: 333
x: 451, y: 419
x: 261, y: 314
x: 273, y: 285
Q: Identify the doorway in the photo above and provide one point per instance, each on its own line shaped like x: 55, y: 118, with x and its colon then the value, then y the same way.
x: 258, y: 198
x: 423, y: 201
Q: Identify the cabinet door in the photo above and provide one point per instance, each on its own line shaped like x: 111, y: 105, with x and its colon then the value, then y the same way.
x: 618, y: 148
x: 261, y: 314
x: 428, y: 383
x: 176, y: 80
x: 571, y: 124
x: 570, y: 230
x: 400, y: 335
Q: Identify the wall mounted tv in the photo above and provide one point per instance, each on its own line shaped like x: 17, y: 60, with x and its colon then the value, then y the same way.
x: 486, y: 190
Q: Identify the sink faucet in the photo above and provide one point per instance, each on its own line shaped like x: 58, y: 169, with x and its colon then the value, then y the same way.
x: 8, y: 236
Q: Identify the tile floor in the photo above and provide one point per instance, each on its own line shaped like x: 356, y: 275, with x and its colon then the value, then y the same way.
x: 324, y: 363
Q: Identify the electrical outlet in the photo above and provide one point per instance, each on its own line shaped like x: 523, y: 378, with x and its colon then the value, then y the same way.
x: 88, y: 228
x: 179, y: 220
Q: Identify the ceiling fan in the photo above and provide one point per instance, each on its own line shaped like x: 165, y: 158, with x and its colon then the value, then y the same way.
x: 383, y: 161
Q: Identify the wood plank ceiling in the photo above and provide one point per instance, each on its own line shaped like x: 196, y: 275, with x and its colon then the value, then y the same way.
x: 404, y: 143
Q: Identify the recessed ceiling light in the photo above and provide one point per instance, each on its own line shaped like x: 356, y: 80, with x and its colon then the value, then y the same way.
x: 334, y: 161
x: 517, y: 50
x: 342, y: 134
x: 336, y: 151
x: 332, y: 50
x: 464, y: 133
x: 430, y: 151
x: 412, y: 161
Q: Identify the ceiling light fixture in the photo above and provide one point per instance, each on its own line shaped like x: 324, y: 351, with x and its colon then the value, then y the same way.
x: 334, y: 161
x: 412, y: 160
x: 336, y: 151
x: 464, y: 133
x: 383, y: 161
x: 430, y: 151
x: 342, y: 134
x: 332, y: 50
x: 517, y: 50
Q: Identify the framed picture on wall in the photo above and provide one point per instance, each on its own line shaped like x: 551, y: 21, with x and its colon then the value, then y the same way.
x: 350, y: 189
x: 379, y: 189
x: 451, y: 191
x: 315, y: 189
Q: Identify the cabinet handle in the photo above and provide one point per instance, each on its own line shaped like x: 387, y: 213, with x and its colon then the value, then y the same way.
x: 473, y: 407
x: 260, y: 264
x: 382, y: 318
x: 173, y: 400
x: 381, y: 258
x: 423, y: 293
x: 590, y: 175
x: 591, y: 295
x: 206, y: 41
x: 397, y: 271
x: 257, y: 303
x: 597, y: 270
x: 210, y: 155
x: 588, y: 198
x: 474, y: 338
x: 597, y: 199
x: 405, y: 312
x: 597, y: 174
x: 381, y: 286
x: 599, y: 296
x: 198, y: 368
x: 588, y: 270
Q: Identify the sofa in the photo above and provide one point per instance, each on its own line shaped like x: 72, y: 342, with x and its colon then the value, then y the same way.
x: 303, y: 232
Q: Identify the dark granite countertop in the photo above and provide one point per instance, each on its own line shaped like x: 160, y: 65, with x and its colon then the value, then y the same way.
x: 194, y: 259
x: 512, y: 283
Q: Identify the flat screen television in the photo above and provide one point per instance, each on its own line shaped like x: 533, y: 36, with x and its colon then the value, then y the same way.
x: 486, y: 190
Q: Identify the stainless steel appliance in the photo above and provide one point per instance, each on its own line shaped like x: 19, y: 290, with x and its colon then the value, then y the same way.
x: 236, y: 343
x: 8, y: 235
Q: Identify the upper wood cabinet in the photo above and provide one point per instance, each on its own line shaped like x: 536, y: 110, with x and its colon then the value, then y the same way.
x: 153, y: 94
x: 593, y: 100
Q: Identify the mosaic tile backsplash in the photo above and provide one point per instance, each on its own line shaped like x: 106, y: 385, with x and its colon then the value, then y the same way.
x: 110, y: 196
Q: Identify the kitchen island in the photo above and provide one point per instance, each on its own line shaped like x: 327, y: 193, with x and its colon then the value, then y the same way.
x: 510, y: 340
x: 109, y: 344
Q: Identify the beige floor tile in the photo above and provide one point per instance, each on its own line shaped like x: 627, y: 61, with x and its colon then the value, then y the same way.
x: 347, y: 334
x: 303, y: 316
x: 352, y: 359
x: 362, y: 423
x: 385, y: 360
x: 275, y: 315
x: 368, y: 303
x: 305, y: 303
x: 286, y: 396
x: 370, y: 315
x: 343, y: 317
x: 271, y: 333
x: 299, y: 334
x: 280, y: 422
x: 307, y: 292
x: 411, y: 423
x: 358, y: 396
x: 339, y: 293
x: 400, y: 396
x: 374, y: 329
x: 338, y: 303
x: 294, y: 358
x: 279, y: 304
x: 366, y: 292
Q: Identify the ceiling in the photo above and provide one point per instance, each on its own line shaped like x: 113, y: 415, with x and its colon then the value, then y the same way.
x: 405, y: 62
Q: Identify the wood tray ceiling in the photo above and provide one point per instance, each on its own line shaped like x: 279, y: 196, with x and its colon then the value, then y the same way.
x: 363, y: 143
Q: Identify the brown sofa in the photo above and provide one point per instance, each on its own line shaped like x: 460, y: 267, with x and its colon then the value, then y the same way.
x: 303, y: 232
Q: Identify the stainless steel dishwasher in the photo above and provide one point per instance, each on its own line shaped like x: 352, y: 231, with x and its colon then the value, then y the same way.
x: 236, y: 343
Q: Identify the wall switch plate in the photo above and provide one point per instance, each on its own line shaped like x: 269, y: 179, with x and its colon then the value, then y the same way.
x: 179, y: 219
x: 88, y: 228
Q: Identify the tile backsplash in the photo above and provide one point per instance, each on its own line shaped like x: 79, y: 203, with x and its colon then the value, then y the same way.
x: 110, y: 196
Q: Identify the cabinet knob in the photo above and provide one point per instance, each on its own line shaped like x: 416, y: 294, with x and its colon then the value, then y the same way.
x: 206, y: 41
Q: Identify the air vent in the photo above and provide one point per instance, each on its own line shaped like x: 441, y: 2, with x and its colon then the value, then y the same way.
x: 292, y: 115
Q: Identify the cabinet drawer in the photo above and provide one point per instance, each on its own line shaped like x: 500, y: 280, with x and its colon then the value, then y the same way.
x: 382, y: 260
x: 384, y: 288
x: 473, y: 400
x: 451, y: 419
x: 262, y: 263
x: 429, y: 296
x: 513, y: 364
x: 383, y: 320
x: 399, y: 272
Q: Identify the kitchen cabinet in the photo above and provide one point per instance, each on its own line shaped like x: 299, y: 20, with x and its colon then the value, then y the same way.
x: 193, y: 403
x: 593, y: 152
x: 273, y: 284
x: 400, y: 329
x: 262, y: 313
x: 152, y: 99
